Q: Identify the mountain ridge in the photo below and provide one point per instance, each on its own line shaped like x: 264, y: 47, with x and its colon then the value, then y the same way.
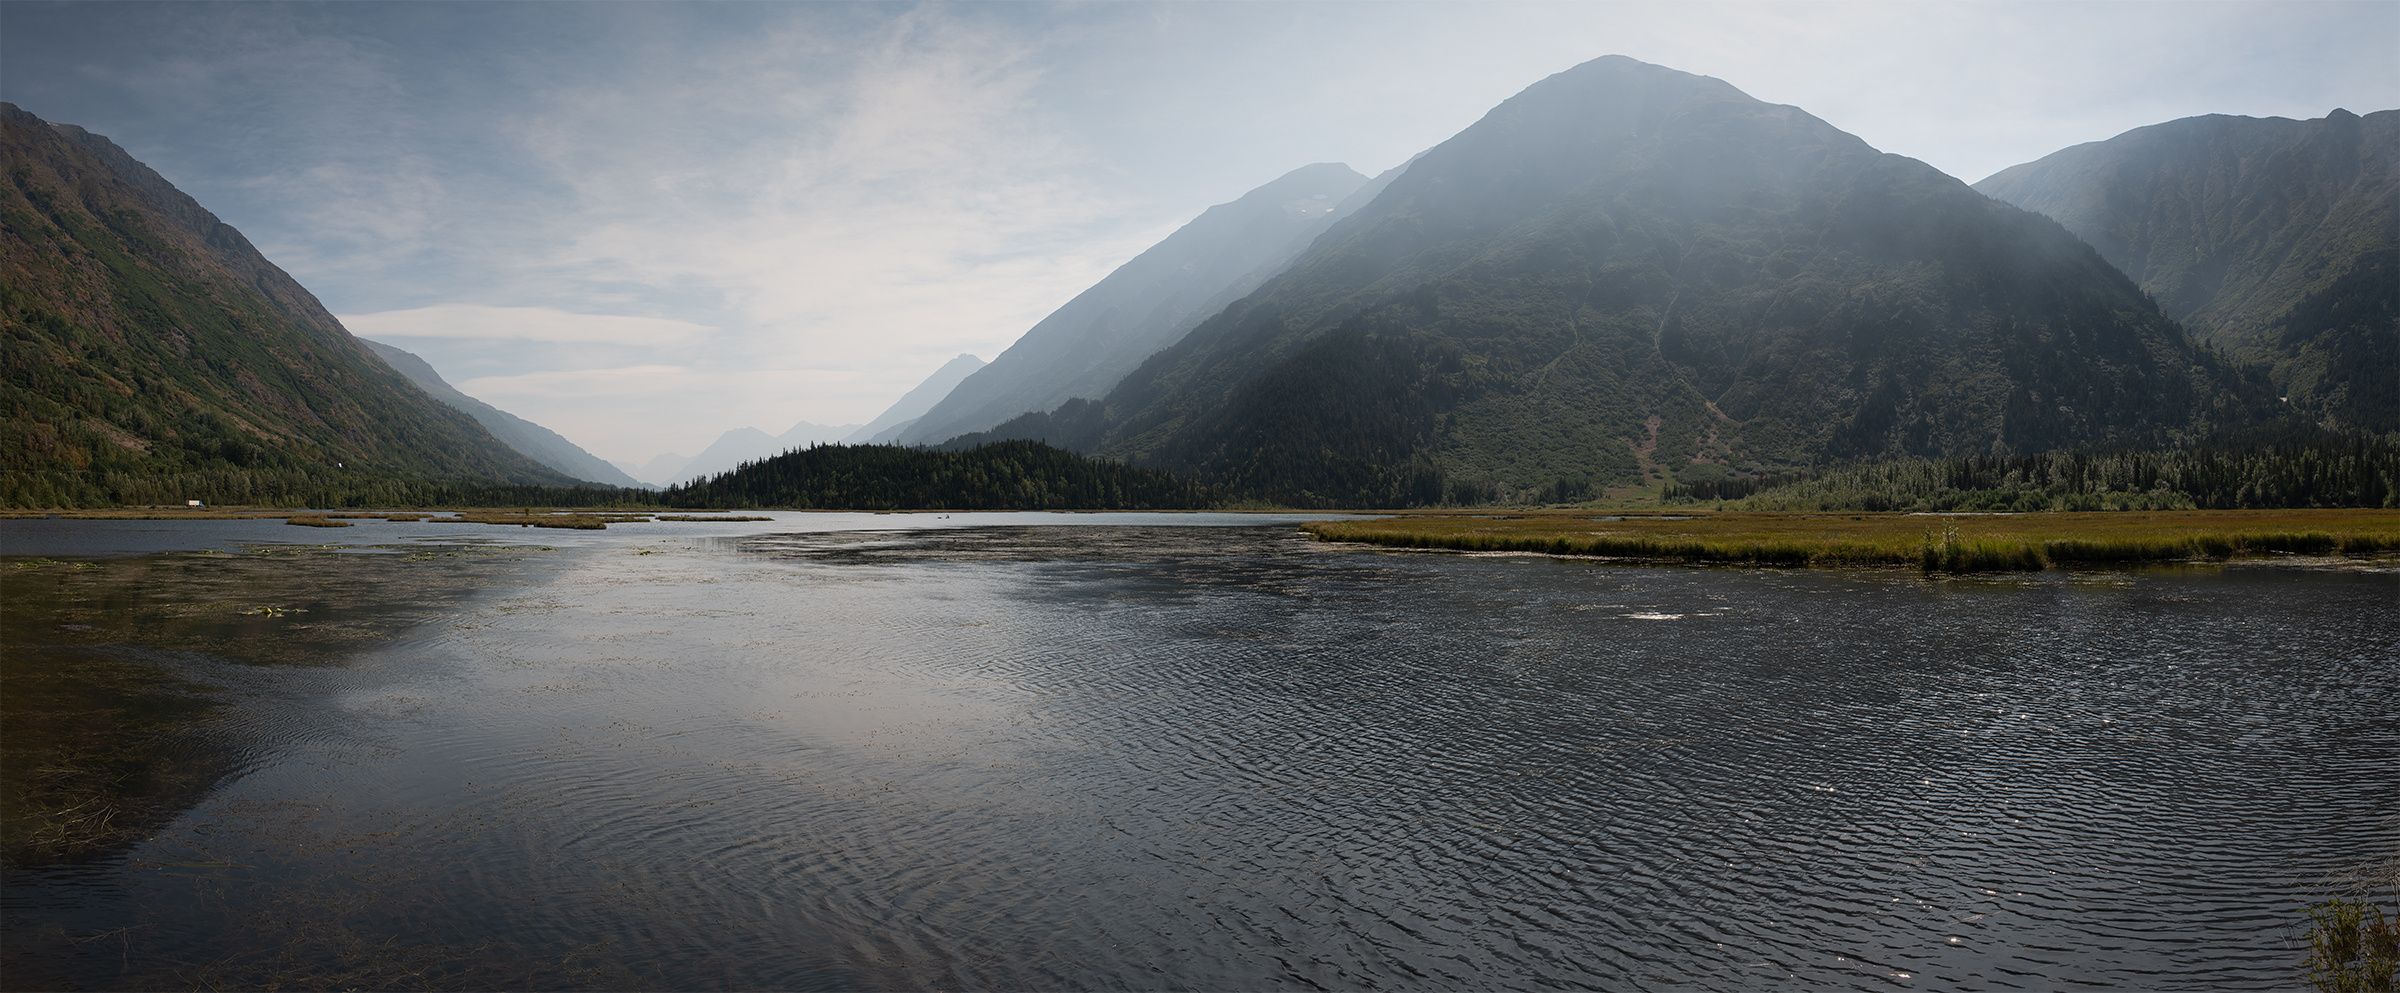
x: 1085, y: 346
x: 533, y: 440
x: 1629, y: 273
x: 2276, y: 239
x: 145, y: 336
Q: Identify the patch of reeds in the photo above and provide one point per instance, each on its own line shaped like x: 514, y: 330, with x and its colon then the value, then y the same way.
x: 2352, y: 947
x: 1980, y: 556
x: 315, y: 521
x: 2101, y: 551
x: 2311, y: 543
x: 1988, y: 543
x: 1755, y: 553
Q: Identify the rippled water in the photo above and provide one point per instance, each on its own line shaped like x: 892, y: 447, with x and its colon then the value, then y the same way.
x: 1146, y: 756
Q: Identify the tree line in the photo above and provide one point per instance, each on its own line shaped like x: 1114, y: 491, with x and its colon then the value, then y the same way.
x: 2331, y: 471
x: 2355, y: 470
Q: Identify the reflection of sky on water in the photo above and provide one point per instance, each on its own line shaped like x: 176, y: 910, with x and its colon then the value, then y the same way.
x: 87, y: 538
x: 1060, y: 757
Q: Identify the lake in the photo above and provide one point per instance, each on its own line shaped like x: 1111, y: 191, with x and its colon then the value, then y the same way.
x: 1175, y: 752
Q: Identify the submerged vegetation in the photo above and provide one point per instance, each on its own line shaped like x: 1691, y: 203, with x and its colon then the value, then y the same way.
x: 1946, y: 543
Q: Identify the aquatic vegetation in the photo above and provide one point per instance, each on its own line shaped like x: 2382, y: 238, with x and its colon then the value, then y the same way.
x: 2352, y: 947
x: 97, y: 751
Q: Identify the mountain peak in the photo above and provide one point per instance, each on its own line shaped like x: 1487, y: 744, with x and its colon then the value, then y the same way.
x: 1627, y: 273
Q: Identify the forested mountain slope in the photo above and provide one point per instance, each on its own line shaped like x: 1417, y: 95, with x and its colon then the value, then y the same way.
x: 143, y: 336
x: 1630, y: 272
x: 2276, y: 239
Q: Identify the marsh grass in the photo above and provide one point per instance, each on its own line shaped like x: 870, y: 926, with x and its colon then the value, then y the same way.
x: 1961, y: 543
x: 2352, y: 947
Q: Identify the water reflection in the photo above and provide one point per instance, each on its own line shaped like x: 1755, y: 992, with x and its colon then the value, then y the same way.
x: 1140, y: 756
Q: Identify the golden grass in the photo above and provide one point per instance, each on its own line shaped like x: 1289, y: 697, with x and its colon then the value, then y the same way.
x: 1933, y: 542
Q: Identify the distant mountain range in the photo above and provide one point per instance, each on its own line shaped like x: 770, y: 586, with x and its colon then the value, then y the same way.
x: 144, y: 337
x: 740, y: 445
x: 535, y: 441
x: 1623, y: 276
x: 2277, y: 240
x: 1628, y: 272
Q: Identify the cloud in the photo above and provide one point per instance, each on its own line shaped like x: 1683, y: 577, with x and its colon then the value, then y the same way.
x: 479, y: 322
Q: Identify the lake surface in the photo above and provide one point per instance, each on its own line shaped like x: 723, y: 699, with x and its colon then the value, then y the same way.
x: 1135, y: 752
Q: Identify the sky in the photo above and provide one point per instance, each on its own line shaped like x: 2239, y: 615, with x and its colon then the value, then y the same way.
x: 641, y: 225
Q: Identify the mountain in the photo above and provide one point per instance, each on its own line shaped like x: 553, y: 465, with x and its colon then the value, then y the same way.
x: 1091, y: 342
x: 741, y: 445
x: 661, y: 470
x: 533, y: 440
x: 913, y: 404
x: 145, y: 337
x: 2277, y: 240
x: 1629, y: 273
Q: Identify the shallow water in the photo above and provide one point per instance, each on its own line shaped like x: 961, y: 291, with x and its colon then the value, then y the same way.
x: 1133, y: 754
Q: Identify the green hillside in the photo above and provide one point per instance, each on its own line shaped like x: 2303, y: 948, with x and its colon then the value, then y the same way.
x: 2278, y: 240
x: 142, y: 338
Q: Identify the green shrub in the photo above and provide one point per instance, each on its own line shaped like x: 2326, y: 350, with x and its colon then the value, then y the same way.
x: 2352, y: 947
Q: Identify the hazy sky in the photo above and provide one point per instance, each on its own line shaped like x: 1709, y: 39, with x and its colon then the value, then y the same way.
x: 641, y: 225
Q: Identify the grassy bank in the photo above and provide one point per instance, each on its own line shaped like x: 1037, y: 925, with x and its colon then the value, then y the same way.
x: 1931, y: 542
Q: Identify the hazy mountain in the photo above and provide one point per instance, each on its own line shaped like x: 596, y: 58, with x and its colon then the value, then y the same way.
x: 661, y: 470
x: 912, y: 405
x: 1629, y: 271
x: 741, y: 445
x: 1083, y: 348
x: 145, y: 337
x: 540, y: 443
x: 2278, y: 240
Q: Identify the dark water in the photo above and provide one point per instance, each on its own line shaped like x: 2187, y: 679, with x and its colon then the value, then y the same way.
x: 1137, y: 757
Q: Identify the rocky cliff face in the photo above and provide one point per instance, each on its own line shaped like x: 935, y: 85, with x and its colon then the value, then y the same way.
x: 1086, y: 346
x: 1628, y: 272
x: 144, y: 336
x: 2278, y: 240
